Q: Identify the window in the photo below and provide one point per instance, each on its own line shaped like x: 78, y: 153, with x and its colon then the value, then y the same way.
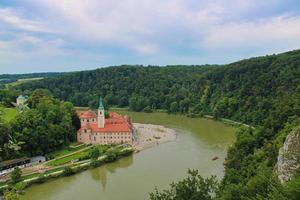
x: 94, y: 138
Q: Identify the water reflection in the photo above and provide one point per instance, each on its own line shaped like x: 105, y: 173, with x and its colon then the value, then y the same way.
x: 101, y: 173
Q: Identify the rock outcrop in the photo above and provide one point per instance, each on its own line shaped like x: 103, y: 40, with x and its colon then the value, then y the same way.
x: 288, y: 161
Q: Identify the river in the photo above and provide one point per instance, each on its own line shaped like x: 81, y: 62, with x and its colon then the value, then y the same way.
x: 132, y: 178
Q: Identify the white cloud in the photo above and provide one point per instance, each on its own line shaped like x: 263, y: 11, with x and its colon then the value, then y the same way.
x: 278, y: 33
x: 147, y: 30
x: 11, y: 18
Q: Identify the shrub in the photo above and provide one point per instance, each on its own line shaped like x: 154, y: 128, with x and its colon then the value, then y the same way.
x: 16, y: 175
x: 68, y: 171
x: 41, y: 178
x: 94, y: 153
x: 111, y: 156
x: 96, y: 163
x: 147, y: 109
x: 11, y: 195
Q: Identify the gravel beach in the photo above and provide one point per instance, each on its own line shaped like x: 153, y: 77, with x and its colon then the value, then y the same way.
x: 150, y: 135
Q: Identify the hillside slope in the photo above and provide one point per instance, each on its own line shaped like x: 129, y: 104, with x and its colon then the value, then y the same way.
x: 256, y: 84
x: 262, y: 91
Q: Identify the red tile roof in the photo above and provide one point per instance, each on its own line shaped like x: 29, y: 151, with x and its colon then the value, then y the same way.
x: 115, y: 123
x: 88, y: 114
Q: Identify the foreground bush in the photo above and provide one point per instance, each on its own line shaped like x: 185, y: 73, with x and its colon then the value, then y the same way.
x: 194, y: 187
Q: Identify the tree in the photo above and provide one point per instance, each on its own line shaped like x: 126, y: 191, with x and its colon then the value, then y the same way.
x: 49, y: 125
x: 111, y: 155
x: 94, y: 153
x: 11, y: 195
x: 174, y: 107
x: 15, y: 175
x: 194, y: 187
x: 147, y: 109
x: 68, y: 171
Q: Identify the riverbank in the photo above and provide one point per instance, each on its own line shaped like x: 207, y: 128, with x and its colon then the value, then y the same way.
x: 223, y: 120
x: 150, y: 135
x: 198, y: 141
x: 147, y: 136
x: 111, y: 155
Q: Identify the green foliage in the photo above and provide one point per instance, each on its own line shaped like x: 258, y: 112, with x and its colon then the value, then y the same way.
x: 7, y: 96
x: 41, y: 178
x: 292, y: 188
x: 68, y: 171
x: 194, y: 187
x: 111, y: 155
x: 11, y: 195
x: 147, y: 109
x: 15, y: 175
x: 94, y: 153
x: 263, y: 92
x: 8, y: 114
x: 96, y: 163
x: 47, y: 126
x: 8, y: 147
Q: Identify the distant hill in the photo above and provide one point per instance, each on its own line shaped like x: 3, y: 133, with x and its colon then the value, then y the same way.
x: 10, y: 78
x: 223, y: 91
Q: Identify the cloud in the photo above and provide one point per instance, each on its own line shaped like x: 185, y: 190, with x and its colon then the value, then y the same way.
x: 272, y: 34
x: 12, y: 19
x: 147, y: 31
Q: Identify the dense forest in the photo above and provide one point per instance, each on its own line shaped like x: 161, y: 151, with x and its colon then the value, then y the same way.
x: 48, y: 125
x: 246, y: 91
x: 263, y: 92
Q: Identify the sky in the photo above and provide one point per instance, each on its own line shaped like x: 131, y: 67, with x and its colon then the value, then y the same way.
x: 72, y: 35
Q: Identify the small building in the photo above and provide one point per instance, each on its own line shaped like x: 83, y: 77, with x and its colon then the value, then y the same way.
x: 10, y: 165
x: 37, y: 159
x: 21, y: 100
x: 95, y: 129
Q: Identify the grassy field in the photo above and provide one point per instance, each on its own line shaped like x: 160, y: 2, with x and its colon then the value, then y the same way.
x: 20, y: 81
x: 64, y: 160
x: 8, y: 114
x: 67, y: 150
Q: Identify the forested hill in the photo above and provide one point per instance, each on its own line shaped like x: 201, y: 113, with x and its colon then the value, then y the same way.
x: 14, y: 77
x: 254, y: 86
x: 262, y: 91
x: 10, y: 78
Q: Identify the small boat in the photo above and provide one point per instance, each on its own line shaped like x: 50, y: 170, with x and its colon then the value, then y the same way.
x: 215, y: 158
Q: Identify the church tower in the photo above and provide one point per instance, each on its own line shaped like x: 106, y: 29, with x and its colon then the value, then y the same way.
x: 101, y: 115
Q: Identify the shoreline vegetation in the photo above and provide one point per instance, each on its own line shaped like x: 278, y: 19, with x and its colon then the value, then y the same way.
x: 224, y: 120
x: 148, y: 136
x: 261, y: 91
x: 111, y: 154
x: 68, y: 162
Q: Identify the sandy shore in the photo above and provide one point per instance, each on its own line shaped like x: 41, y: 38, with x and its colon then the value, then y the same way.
x: 149, y: 135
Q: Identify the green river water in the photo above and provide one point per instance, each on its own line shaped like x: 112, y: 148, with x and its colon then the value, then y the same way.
x: 132, y: 178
